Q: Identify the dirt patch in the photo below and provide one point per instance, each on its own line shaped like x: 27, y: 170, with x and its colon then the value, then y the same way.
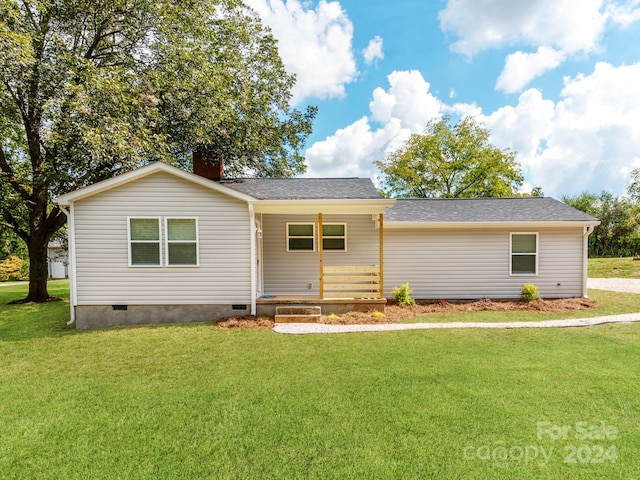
x: 394, y: 313
x: 260, y: 323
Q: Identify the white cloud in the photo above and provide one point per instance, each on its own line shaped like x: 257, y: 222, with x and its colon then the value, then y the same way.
x: 520, y: 68
x: 624, y: 14
x: 403, y: 109
x: 373, y: 51
x: 314, y: 43
x: 408, y: 100
x: 588, y: 140
x: 568, y: 25
x: 353, y: 150
x: 559, y: 29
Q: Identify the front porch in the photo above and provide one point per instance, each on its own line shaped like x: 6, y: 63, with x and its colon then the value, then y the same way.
x: 266, y: 305
x: 329, y: 260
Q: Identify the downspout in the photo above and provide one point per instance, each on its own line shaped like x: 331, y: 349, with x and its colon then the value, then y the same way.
x: 71, y: 234
x: 253, y: 240
x: 588, y: 230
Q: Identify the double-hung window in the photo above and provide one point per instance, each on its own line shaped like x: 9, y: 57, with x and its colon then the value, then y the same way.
x: 144, y: 242
x: 334, y: 237
x: 182, y: 241
x: 524, y: 254
x: 301, y: 237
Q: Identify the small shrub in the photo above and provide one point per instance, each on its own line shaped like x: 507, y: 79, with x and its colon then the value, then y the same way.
x: 333, y: 316
x: 402, y: 295
x: 529, y: 292
x: 377, y: 314
x: 12, y: 268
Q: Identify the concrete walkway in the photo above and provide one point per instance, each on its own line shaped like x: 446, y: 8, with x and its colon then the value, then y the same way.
x: 11, y: 284
x: 625, y: 285
x: 616, y: 284
x: 300, y: 328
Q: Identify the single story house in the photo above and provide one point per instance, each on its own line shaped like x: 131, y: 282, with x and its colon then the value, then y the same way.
x: 160, y: 244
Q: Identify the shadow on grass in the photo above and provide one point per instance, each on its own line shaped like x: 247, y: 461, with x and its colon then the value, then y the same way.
x: 26, y: 321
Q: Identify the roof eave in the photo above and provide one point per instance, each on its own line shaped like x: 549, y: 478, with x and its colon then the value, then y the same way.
x: 328, y: 206
x: 390, y: 224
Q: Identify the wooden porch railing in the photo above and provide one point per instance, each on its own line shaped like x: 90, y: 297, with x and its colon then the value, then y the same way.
x: 351, y: 282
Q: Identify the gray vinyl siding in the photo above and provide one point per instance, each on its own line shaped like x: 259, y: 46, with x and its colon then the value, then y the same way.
x: 103, y: 273
x: 468, y: 264
x: 291, y: 272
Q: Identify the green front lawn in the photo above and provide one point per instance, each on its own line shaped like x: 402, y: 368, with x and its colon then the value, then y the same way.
x: 195, y: 401
x: 625, y: 267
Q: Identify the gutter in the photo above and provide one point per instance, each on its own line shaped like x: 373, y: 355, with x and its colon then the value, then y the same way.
x: 73, y: 293
x: 588, y: 230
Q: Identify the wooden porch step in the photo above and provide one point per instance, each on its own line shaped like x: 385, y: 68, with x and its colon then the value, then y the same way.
x: 298, y: 314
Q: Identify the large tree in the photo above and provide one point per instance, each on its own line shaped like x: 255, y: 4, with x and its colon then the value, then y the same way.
x: 451, y: 161
x: 93, y: 88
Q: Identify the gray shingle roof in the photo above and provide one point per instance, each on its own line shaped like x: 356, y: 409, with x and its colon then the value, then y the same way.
x: 521, y: 209
x: 304, y: 188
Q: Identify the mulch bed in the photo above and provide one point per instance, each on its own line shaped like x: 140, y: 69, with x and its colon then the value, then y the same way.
x: 395, y: 313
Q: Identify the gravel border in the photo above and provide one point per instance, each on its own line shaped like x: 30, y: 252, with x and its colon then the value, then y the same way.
x: 302, y: 328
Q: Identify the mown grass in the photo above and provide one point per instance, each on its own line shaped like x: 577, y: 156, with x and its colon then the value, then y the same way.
x: 195, y: 401
x: 625, y: 267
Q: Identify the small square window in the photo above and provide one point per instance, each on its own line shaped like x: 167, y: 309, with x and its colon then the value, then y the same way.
x: 301, y: 237
x: 334, y: 236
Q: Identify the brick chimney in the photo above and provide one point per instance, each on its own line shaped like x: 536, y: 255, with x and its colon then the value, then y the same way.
x: 205, y: 166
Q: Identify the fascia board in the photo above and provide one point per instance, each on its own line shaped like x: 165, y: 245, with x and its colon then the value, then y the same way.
x: 328, y: 206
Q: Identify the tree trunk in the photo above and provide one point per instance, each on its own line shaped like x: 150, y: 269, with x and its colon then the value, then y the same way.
x: 38, y: 269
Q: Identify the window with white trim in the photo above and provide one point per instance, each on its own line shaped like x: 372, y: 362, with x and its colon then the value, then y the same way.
x: 524, y: 254
x: 144, y: 241
x: 334, y: 237
x: 181, y: 241
x: 301, y: 237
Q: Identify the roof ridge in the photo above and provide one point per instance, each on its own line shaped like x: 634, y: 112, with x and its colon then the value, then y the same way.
x: 296, y: 178
x: 470, y: 198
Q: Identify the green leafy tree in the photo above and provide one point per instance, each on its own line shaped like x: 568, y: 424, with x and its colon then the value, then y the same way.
x: 537, y: 192
x: 451, y: 161
x: 634, y: 187
x: 93, y: 88
x: 617, y: 234
x: 10, y: 244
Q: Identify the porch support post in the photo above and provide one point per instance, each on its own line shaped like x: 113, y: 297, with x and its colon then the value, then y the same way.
x: 381, y: 236
x: 320, y: 251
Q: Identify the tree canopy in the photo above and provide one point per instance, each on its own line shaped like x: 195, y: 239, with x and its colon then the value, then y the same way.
x: 451, y: 161
x: 617, y: 235
x: 93, y: 88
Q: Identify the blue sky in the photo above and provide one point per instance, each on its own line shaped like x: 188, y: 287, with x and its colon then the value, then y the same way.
x: 558, y: 81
